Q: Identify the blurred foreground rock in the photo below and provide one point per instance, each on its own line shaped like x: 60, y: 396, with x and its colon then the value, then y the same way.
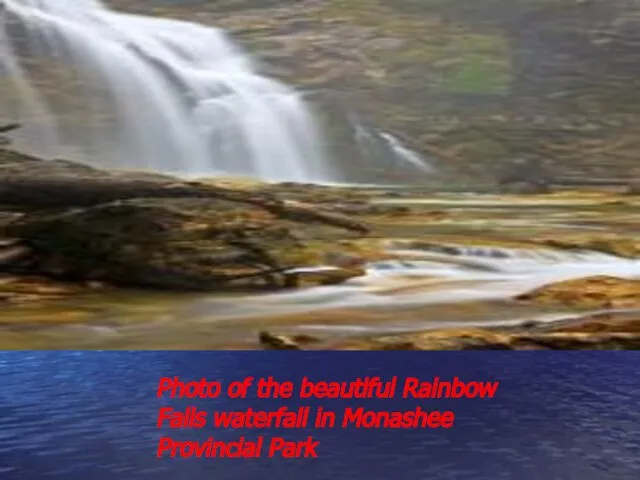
x: 588, y: 334
x: 591, y: 292
x: 81, y: 224
x: 592, y: 332
x: 622, y: 247
x: 490, y: 340
x: 18, y: 290
x: 525, y: 175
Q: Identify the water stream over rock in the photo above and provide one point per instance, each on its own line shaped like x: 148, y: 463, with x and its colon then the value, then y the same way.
x: 422, y: 289
x: 459, y: 275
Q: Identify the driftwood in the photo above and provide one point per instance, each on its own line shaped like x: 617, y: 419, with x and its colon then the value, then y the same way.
x: 591, y: 182
x: 9, y: 127
x: 25, y: 191
x: 12, y: 255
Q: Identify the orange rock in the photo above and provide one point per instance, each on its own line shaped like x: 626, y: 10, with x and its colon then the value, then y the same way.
x: 590, y: 292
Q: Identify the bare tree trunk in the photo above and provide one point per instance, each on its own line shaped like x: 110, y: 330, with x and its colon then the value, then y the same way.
x: 25, y: 191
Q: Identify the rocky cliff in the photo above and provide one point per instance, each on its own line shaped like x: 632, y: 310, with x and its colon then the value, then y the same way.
x: 469, y: 85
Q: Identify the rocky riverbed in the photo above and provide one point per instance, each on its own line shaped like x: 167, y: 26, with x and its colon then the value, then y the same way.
x: 95, y: 259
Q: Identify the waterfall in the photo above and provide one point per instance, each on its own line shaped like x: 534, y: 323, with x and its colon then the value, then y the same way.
x: 127, y: 91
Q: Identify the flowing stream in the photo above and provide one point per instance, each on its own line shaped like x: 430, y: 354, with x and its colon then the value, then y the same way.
x: 425, y: 288
x: 440, y: 279
x: 435, y: 278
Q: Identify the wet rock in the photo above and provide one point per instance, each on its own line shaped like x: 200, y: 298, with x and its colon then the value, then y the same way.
x: 530, y: 325
x: 393, y: 194
x: 479, y: 339
x: 9, y: 127
x: 374, y: 210
x: 20, y: 290
x: 304, y: 339
x: 33, y: 192
x: 400, y: 345
x: 16, y: 163
x: 12, y: 254
x: 460, y: 250
x: 6, y: 129
x: 590, y: 292
x: 341, y: 200
x: 596, y: 332
x: 606, y: 323
x: 193, y: 244
x: 8, y: 216
x: 455, y: 339
x: 525, y: 175
x: 525, y: 188
x: 621, y: 247
x: 277, y: 342
x: 344, y: 260
x: 322, y: 276
x: 579, y: 341
x: 25, y: 166
x: 146, y: 230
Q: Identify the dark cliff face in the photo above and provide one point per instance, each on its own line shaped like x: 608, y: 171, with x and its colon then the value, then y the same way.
x: 468, y: 84
x: 572, y: 50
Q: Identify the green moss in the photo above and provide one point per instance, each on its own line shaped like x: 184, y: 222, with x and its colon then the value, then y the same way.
x: 476, y: 63
x: 476, y: 76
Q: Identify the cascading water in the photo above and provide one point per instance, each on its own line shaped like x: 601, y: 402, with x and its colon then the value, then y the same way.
x: 149, y: 93
x: 442, y: 277
x: 374, y: 143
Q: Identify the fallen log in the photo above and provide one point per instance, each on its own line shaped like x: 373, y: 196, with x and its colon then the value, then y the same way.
x: 9, y: 127
x: 590, y: 182
x: 38, y: 192
x: 13, y: 254
x: 5, y: 129
x: 79, y: 191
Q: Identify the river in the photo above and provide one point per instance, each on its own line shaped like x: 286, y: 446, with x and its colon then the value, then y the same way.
x: 463, y: 269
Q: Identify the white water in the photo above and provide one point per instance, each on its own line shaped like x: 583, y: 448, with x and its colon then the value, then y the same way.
x: 404, y: 153
x: 371, y: 141
x: 151, y: 93
x: 435, y: 278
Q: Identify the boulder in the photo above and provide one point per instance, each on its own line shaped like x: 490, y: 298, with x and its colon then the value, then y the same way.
x: 612, y: 245
x: 177, y: 243
x: 591, y: 292
x: 277, y: 342
x: 486, y: 339
x: 525, y: 175
x: 21, y: 290
x: 141, y: 229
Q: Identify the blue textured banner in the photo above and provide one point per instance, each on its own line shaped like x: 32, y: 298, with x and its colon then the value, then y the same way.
x: 92, y: 415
